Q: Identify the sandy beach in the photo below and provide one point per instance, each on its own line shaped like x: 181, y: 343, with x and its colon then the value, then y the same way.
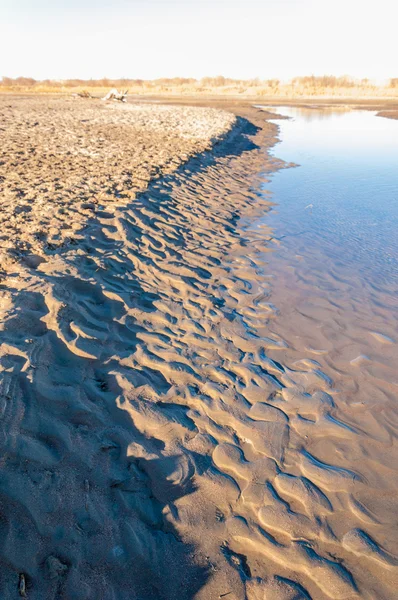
x: 65, y: 158
x: 157, y: 440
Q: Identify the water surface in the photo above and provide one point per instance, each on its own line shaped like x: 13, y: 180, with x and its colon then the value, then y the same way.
x: 333, y: 292
x: 334, y: 259
x: 343, y: 198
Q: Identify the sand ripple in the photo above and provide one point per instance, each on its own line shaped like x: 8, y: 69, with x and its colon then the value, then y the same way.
x: 151, y: 447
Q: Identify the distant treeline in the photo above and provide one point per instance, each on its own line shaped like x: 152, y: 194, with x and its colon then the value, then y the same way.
x: 299, y: 86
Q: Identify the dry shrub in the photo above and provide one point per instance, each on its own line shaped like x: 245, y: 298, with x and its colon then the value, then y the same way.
x: 299, y: 87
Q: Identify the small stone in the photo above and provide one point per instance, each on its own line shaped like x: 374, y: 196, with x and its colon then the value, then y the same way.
x: 22, y: 585
x: 55, y: 567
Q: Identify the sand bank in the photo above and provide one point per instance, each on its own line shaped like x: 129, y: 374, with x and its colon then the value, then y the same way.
x: 63, y: 159
x: 151, y: 447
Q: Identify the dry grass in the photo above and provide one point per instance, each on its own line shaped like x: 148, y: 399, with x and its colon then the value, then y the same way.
x: 299, y: 87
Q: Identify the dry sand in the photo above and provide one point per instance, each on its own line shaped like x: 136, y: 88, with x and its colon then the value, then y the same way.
x: 151, y: 447
x: 62, y: 158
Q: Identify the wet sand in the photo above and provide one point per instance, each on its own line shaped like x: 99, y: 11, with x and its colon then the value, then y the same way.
x: 160, y: 438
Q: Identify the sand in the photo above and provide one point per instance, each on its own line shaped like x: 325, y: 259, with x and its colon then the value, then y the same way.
x: 63, y: 159
x: 155, y: 442
x: 388, y: 114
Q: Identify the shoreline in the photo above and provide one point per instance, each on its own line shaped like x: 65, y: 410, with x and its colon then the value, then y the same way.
x: 386, y: 107
x: 155, y: 443
x: 365, y: 102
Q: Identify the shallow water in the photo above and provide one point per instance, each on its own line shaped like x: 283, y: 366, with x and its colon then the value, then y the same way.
x: 336, y: 213
x: 343, y: 198
x: 333, y: 271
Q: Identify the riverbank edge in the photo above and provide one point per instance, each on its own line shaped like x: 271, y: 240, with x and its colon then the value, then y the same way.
x: 248, y: 121
x: 384, y: 107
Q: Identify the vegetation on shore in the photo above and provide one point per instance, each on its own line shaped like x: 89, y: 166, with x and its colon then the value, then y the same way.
x: 308, y: 86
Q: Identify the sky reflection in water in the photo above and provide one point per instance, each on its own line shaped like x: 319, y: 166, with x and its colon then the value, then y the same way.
x: 348, y: 173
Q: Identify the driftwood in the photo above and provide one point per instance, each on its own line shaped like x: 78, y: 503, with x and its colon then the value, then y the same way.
x: 116, y: 95
x: 83, y: 94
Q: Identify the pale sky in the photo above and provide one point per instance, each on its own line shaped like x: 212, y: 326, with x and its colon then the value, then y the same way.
x: 148, y: 39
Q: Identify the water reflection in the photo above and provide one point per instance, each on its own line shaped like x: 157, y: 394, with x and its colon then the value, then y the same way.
x: 311, y: 113
x: 342, y: 201
x: 333, y: 278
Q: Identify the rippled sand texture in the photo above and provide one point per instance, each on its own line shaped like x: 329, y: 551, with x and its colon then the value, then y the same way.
x: 62, y: 158
x: 151, y: 447
x: 342, y: 324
